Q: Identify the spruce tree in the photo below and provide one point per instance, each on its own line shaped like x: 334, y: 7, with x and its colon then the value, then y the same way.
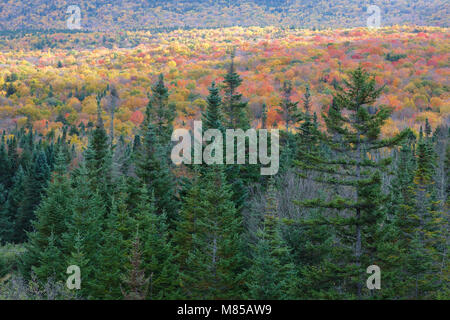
x: 271, y: 275
x: 153, y: 170
x: 114, y: 247
x: 11, y: 208
x: 136, y: 284
x: 5, y: 170
x: 352, y: 133
x: 288, y: 107
x: 158, y: 258
x: 235, y: 109
x: 98, y: 157
x: 45, y: 242
x: 81, y: 241
x: 6, y: 225
x: 308, y: 142
x: 161, y: 112
x: 212, y: 118
x: 235, y: 112
x: 264, y: 116
x: 34, y: 187
x: 213, y: 267
x: 420, y: 223
x: 13, y: 155
x: 185, y: 226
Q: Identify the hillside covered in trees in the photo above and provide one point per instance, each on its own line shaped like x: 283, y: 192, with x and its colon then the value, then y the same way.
x: 345, y: 198
x: 88, y: 181
x: 51, y: 80
x: 108, y: 15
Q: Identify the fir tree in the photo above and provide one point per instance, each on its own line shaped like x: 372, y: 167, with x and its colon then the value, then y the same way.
x: 158, y: 259
x: 84, y: 226
x: 97, y: 152
x: 308, y: 137
x: 13, y: 154
x: 264, y: 116
x: 34, y: 186
x: 98, y: 156
x: 45, y: 241
x: 161, y: 112
x: 112, y: 254
x: 353, y: 132
x: 420, y: 222
x: 288, y: 108
x: 136, y: 283
x: 234, y: 108
x: 212, y: 118
x: 5, y: 171
x: 235, y: 117
x: 10, y: 210
x: 50, y: 261
x: 6, y: 225
x: 213, y: 267
x: 153, y: 170
x: 271, y: 275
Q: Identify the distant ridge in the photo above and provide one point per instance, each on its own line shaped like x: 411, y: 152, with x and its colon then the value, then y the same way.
x: 107, y: 15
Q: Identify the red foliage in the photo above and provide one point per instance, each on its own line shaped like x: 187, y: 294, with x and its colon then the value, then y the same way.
x: 137, y: 117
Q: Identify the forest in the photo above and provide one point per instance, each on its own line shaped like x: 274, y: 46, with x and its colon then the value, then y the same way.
x: 87, y: 130
x: 141, y: 228
x: 107, y: 15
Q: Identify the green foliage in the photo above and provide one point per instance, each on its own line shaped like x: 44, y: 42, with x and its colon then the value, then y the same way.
x: 272, y: 273
x: 116, y: 215
x: 44, y: 255
x: 136, y: 283
x: 161, y: 112
x: 9, y: 257
x: 157, y: 253
x: 234, y: 108
x: 98, y: 158
x: 153, y: 170
x: 34, y: 184
x: 392, y: 57
x: 352, y: 133
x: 214, y: 262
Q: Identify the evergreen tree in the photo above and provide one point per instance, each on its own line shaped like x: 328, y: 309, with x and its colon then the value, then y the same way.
x: 212, y: 118
x: 352, y: 133
x: 45, y: 241
x: 84, y: 227
x: 113, y: 251
x: 13, y: 154
x: 264, y: 116
x: 78, y: 257
x: 308, y: 142
x: 5, y: 170
x: 158, y: 259
x: 236, y: 117
x: 153, y: 170
x: 185, y: 227
x: 419, y: 222
x: 404, y: 176
x: 213, y: 267
x: 136, y: 283
x: 12, y: 231
x: 288, y: 108
x: 161, y: 112
x: 98, y: 157
x: 6, y: 225
x: 34, y: 186
x: 271, y: 275
x: 234, y: 108
x: 50, y: 261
